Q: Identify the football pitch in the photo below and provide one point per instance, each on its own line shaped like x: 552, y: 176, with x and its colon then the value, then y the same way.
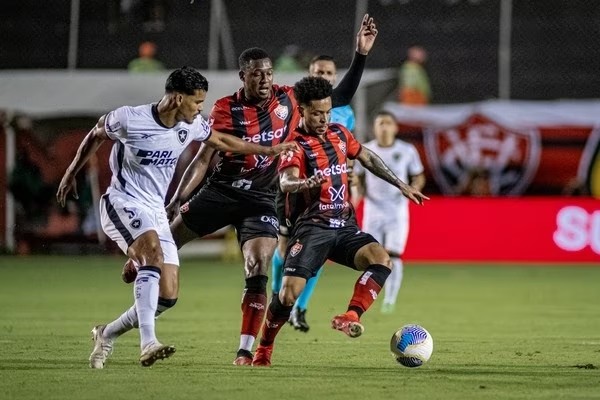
x: 500, y: 332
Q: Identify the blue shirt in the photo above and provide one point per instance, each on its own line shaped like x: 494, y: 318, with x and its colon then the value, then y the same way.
x: 343, y: 115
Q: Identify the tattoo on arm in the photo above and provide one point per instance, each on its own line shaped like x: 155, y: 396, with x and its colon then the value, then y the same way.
x: 373, y: 163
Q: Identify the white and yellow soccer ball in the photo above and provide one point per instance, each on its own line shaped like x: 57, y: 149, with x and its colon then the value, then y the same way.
x: 412, y: 346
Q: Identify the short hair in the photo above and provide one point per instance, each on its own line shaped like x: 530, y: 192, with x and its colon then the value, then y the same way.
x: 312, y: 88
x: 186, y: 80
x: 322, y: 57
x: 253, y: 53
x: 385, y: 113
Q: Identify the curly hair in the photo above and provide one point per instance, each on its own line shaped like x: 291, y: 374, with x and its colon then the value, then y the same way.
x: 253, y: 53
x: 312, y: 88
x: 186, y: 80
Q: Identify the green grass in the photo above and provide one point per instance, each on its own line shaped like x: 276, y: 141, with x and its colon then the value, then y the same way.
x: 499, y: 333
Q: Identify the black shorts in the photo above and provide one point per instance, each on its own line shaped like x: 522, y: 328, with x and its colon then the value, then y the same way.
x: 310, y: 246
x: 216, y: 206
x: 285, y: 226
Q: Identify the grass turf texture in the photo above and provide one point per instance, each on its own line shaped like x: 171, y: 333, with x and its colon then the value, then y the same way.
x: 499, y: 332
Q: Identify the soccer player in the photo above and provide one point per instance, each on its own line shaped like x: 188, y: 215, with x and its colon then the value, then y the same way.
x: 241, y: 189
x: 326, y: 226
x: 386, y: 210
x: 148, y: 140
x: 325, y: 67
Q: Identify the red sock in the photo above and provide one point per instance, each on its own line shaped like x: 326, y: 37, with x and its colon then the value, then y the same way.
x: 277, y: 316
x: 253, y: 312
x: 367, y: 288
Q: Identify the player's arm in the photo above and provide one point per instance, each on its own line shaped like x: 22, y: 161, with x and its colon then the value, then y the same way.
x: 224, y: 142
x: 191, y: 179
x: 90, y: 144
x: 418, y: 181
x: 373, y: 163
x: 290, y: 181
x: 365, y: 38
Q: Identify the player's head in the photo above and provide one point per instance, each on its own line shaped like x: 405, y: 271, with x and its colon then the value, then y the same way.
x: 323, y: 66
x: 314, y: 98
x: 385, y: 128
x: 187, y: 90
x: 256, y: 71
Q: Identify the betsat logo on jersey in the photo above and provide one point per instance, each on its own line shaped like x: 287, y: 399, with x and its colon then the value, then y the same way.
x: 336, y: 169
x: 266, y: 136
x: 156, y: 158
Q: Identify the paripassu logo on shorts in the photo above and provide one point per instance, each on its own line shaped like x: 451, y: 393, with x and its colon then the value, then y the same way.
x: 266, y: 136
x: 156, y: 158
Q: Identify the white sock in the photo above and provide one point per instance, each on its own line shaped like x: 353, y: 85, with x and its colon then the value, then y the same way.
x: 393, y: 282
x: 126, y: 322
x: 146, y: 301
x: 246, y: 342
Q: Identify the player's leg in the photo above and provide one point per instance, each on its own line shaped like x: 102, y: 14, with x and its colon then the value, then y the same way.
x: 277, y: 262
x: 359, y: 250
x: 396, y: 234
x: 307, y: 251
x: 298, y: 316
x: 257, y: 254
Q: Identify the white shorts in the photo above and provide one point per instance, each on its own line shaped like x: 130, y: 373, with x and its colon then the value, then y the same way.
x: 124, y: 219
x: 389, y: 225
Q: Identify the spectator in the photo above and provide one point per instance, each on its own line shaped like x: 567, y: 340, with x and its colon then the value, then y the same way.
x: 414, y: 86
x: 146, y: 61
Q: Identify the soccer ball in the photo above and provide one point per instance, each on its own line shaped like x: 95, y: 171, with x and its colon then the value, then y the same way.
x: 411, y: 345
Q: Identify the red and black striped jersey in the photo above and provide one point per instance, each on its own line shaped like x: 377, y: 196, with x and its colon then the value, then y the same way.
x: 268, y: 125
x: 328, y: 205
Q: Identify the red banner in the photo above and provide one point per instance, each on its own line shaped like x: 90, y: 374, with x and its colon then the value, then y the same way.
x: 505, y: 229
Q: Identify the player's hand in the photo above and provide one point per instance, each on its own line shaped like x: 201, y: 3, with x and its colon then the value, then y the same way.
x: 413, y: 194
x: 172, y: 208
x: 365, y: 38
x: 314, y: 181
x: 67, y: 184
x: 286, y: 147
x: 129, y: 272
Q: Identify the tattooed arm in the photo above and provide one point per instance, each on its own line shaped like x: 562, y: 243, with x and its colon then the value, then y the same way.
x: 373, y: 163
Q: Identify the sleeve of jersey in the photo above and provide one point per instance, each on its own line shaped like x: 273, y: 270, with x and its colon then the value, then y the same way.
x: 353, y: 146
x: 416, y: 166
x: 220, y: 118
x: 203, y: 129
x: 115, y: 123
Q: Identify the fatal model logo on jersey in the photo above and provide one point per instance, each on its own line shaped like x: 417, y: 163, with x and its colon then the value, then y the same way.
x: 337, y: 194
x: 296, y: 249
x: 182, y: 135
x: 479, y: 148
x: 261, y: 162
x: 342, y: 146
x: 281, y: 111
x: 136, y: 223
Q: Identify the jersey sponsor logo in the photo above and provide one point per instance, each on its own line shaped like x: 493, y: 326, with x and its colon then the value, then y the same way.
x: 136, y: 223
x: 337, y: 194
x: 509, y: 157
x: 295, y: 250
x: 336, y: 223
x: 182, y: 135
x: 336, y: 206
x: 262, y: 161
x: 313, y: 155
x: 157, y: 158
x: 270, y: 220
x: 265, y: 136
x: 114, y: 127
x: 336, y: 169
x: 244, y: 184
x: 281, y: 111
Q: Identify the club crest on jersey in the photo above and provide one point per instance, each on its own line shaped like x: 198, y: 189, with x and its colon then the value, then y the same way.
x: 505, y: 158
x: 281, y: 111
x: 296, y: 249
x: 182, y: 135
x: 136, y: 223
x: 342, y: 147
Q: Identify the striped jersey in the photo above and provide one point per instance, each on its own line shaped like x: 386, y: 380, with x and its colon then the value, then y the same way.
x: 326, y: 155
x: 267, y: 126
x: 145, y: 152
